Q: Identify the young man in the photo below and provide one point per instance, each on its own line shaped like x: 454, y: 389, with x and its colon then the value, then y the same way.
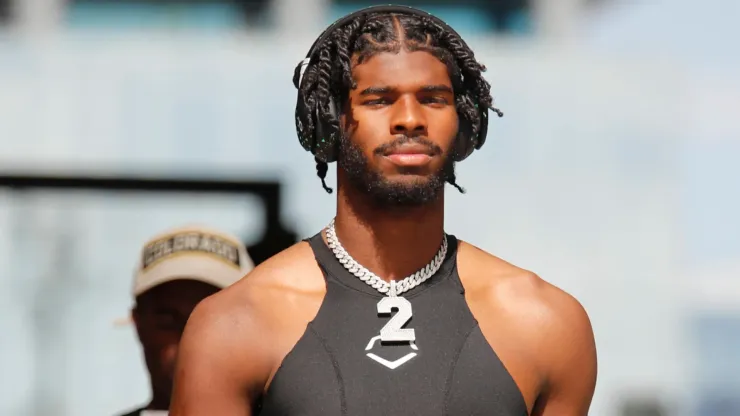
x: 382, y: 312
x: 178, y: 269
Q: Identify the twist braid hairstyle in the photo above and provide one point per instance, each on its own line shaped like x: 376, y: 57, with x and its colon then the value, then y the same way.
x: 366, y: 35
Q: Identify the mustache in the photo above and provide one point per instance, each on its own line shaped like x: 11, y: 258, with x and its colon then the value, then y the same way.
x: 401, y: 140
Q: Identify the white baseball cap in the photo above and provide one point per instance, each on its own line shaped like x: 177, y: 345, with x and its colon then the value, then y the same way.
x: 191, y: 253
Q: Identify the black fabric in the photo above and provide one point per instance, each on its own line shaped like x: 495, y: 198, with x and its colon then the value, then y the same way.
x: 454, y: 372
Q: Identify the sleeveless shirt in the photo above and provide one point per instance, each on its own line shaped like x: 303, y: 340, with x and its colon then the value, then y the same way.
x: 339, y: 367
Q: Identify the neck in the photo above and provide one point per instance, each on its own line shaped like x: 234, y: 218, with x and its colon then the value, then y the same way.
x: 392, y: 242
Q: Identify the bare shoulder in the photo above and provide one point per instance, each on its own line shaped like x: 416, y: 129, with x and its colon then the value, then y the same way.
x: 552, y: 324
x: 520, y: 291
x: 251, y: 323
x: 252, y: 301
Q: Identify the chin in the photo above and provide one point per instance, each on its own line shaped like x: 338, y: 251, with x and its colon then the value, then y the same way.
x: 409, y: 173
x: 405, y: 190
x: 409, y: 177
x: 406, y: 180
x: 389, y: 186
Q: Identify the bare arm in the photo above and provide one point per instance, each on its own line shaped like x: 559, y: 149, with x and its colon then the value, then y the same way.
x: 219, y: 369
x: 570, y: 360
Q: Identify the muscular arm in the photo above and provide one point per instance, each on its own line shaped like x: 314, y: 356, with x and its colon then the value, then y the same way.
x: 219, y: 370
x: 570, y: 359
x: 235, y: 339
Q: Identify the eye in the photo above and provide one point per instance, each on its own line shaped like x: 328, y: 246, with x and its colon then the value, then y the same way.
x: 376, y: 102
x: 434, y: 100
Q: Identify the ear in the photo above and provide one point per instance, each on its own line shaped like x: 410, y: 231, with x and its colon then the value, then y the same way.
x: 346, y: 119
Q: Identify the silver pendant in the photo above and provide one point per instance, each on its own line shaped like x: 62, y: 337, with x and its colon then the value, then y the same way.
x: 393, y: 331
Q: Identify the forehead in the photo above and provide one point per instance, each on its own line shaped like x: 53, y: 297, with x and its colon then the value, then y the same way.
x: 402, y: 69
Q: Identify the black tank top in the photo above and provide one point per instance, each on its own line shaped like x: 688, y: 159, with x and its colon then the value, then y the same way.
x: 339, y: 367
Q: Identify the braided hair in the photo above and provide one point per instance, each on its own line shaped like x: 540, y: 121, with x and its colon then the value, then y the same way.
x: 330, y: 75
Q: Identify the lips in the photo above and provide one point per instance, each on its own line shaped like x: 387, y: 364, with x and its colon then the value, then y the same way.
x: 409, y: 149
x: 409, y: 154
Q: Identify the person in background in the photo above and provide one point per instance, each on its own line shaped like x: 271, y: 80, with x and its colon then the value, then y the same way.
x: 177, y: 270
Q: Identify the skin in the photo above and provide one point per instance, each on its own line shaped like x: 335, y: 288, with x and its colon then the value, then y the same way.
x: 236, y: 340
x: 160, y: 316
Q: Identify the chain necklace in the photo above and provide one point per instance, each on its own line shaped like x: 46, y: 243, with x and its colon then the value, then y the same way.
x: 392, y: 331
x: 393, y: 288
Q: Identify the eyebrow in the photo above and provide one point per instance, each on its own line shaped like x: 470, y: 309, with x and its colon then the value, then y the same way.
x: 436, y: 88
x: 386, y: 90
x: 376, y: 90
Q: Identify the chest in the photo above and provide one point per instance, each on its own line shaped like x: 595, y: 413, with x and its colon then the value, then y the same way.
x: 358, y: 357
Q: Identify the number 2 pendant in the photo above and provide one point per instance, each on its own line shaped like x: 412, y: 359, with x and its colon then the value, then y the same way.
x: 393, y: 331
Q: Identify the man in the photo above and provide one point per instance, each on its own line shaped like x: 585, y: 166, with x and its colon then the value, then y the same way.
x: 396, y: 97
x: 176, y: 271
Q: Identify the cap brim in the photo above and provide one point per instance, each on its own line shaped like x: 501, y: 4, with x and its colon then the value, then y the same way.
x: 199, y: 267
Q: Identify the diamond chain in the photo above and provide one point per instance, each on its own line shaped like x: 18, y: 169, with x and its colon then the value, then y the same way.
x: 371, y: 279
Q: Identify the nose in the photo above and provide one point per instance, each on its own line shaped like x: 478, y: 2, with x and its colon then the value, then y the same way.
x: 408, y: 117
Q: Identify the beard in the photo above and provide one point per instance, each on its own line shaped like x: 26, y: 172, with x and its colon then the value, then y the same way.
x: 385, y: 193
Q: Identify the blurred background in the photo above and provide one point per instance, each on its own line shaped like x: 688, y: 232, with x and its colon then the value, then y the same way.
x: 613, y: 175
